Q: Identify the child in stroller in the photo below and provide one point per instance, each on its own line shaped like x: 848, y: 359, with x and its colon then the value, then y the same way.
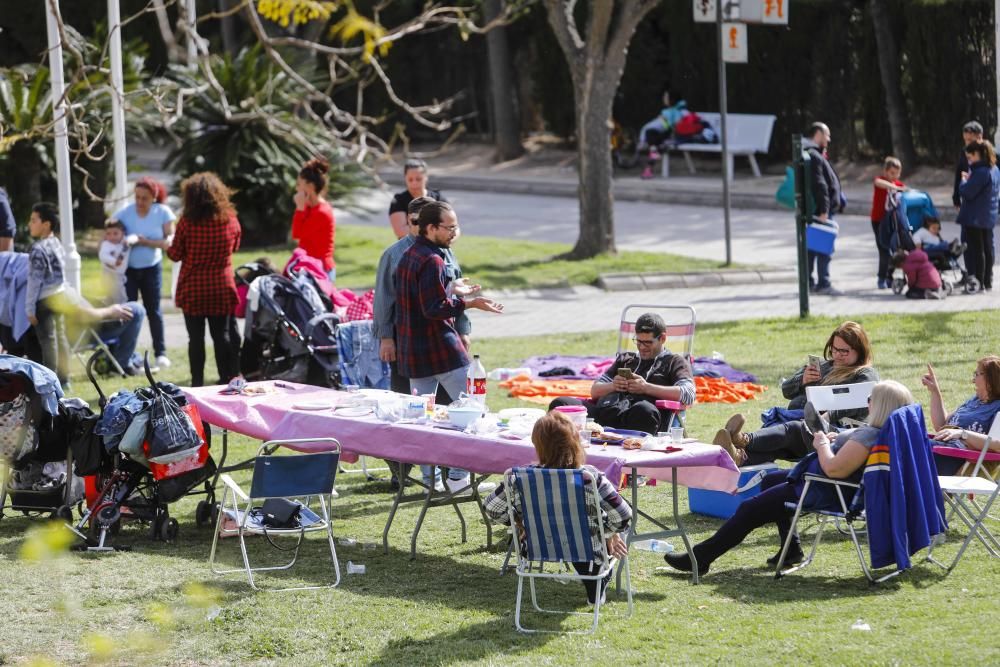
x: 943, y: 255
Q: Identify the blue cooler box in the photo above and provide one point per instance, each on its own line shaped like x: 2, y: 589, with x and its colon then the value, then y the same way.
x: 821, y: 237
x: 723, y: 505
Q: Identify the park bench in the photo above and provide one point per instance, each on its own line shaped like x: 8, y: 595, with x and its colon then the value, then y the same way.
x: 748, y: 135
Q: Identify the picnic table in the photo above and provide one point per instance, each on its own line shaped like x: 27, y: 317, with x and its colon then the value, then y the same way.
x: 274, y: 415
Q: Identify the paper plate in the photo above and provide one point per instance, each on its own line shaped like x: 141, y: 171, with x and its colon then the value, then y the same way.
x: 352, y: 411
x: 311, y: 405
x: 521, y: 413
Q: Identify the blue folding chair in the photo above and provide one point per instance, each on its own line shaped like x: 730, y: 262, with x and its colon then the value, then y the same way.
x: 306, y: 479
x: 897, y: 495
x: 559, y: 511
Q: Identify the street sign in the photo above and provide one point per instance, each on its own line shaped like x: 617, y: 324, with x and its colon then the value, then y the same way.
x: 776, y: 12
x: 734, y: 43
x: 704, y: 11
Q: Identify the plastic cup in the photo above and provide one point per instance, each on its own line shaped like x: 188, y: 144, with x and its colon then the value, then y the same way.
x: 677, y: 433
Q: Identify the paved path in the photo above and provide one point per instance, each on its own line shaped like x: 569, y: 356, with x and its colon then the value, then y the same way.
x: 759, y: 237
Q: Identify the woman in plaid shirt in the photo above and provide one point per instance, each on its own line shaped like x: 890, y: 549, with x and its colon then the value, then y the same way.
x: 557, y: 443
x: 207, y: 236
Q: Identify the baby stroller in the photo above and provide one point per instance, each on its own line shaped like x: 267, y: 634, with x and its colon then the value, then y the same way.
x: 290, y: 333
x: 157, y: 452
x: 39, y: 434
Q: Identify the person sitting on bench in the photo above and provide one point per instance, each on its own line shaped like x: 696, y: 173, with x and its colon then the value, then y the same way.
x: 625, y: 396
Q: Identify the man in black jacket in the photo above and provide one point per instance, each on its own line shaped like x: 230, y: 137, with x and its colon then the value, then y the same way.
x: 827, y: 197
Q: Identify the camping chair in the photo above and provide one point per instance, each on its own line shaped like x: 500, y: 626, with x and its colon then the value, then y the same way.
x: 960, y: 493
x: 976, y: 459
x: 898, y: 495
x: 288, y: 476
x: 89, y: 342
x: 681, y: 322
x: 560, y: 512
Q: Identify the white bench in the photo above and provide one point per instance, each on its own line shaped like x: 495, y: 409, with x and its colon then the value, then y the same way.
x: 748, y: 134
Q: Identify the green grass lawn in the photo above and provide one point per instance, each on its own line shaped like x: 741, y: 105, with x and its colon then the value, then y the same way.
x: 449, y: 606
x: 493, y: 263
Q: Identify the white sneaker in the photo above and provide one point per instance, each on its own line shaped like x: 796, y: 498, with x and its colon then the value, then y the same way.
x: 459, y: 487
x: 486, y: 488
x: 438, y: 486
x: 162, y: 361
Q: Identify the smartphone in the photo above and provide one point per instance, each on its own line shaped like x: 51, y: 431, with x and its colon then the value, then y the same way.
x: 625, y: 373
x: 815, y: 361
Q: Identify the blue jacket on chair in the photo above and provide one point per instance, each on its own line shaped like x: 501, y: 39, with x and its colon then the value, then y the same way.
x: 904, y: 507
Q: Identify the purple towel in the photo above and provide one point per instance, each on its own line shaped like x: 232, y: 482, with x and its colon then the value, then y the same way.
x: 708, y: 367
x: 540, y: 364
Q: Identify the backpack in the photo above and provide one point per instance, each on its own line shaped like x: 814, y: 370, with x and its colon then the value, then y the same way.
x: 689, y: 126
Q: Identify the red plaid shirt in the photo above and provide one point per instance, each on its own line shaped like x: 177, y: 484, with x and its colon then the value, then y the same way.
x: 206, y: 285
x: 426, y: 341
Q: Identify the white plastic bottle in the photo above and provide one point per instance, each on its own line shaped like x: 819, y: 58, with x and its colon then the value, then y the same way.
x: 656, y: 546
x: 475, y: 381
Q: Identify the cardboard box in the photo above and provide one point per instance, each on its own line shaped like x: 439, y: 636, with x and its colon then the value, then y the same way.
x: 723, y: 505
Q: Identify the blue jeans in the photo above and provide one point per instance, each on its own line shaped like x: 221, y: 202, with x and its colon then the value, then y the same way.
x: 821, y: 264
x: 454, y: 384
x: 126, y: 333
x: 149, y: 282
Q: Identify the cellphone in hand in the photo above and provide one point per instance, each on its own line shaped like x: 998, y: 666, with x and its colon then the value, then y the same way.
x: 625, y: 373
x: 815, y: 361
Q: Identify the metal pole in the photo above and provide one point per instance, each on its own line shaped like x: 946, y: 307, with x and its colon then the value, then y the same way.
x: 117, y: 106
x: 52, y: 22
x: 725, y: 140
x: 803, y: 215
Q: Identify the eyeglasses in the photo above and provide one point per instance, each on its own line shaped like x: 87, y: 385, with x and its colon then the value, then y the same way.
x: 451, y: 229
x: 842, y: 351
x: 645, y: 343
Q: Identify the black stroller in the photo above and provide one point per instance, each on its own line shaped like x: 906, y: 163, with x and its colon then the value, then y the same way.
x: 138, y: 483
x: 41, y: 437
x: 290, y: 333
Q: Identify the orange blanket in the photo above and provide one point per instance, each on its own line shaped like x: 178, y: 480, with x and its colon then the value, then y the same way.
x: 709, y: 390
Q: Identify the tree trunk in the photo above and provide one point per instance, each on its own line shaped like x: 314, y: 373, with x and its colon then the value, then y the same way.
x: 594, y: 100
x: 25, y: 186
x: 506, y: 129
x: 228, y: 28
x: 888, y: 64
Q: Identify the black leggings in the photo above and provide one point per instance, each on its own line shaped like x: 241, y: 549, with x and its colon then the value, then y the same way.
x: 979, y: 255
x: 790, y: 441
x: 766, y: 507
x: 226, y: 338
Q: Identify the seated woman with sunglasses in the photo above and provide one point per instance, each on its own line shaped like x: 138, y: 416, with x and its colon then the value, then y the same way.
x: 625, y: 396
x: 847, y: 359
x: 967, y: 426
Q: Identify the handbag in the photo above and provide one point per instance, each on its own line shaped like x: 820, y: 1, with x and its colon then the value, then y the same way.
x: 280, y: 513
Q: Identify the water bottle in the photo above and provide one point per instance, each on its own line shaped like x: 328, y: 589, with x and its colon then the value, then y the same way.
x: 475, y: 381
x: 656, y: 546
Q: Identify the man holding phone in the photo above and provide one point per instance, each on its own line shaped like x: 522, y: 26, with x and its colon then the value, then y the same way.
x: 625, y: 396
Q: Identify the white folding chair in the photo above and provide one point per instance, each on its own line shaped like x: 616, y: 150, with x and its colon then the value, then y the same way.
x: 560, y: 512
x: 298, y: 476
x: 960, y: 493
x: 911, y: 450
x: 976, y: 459
x: 681, y: 322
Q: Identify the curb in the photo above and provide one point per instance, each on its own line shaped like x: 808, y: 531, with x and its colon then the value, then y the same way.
x: 620, y: 282
x: 623, y: 191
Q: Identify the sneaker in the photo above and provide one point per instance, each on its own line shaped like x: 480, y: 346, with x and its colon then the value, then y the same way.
x: 654, y: 154
x: 814, y: 420
x: 829, y: 290
x: 884, y: 284
x: 162, y: 361
x: 647, y: 173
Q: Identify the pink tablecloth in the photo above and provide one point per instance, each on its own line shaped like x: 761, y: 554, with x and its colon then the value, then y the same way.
x: 273, y: 416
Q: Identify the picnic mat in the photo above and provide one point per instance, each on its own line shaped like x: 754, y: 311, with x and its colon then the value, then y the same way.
x: 571, y: 367
x: 708, y: 390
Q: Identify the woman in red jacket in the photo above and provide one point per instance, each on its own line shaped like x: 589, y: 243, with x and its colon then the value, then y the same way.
x: 313, y: 225
x: 207, y: 236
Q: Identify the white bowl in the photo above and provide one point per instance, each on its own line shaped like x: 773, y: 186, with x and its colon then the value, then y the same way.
x: 463, y: 416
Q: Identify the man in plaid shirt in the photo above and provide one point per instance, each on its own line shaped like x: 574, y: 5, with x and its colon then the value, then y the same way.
x: 428, y: 347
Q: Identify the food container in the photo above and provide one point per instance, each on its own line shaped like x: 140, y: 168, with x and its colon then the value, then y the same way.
x: 578, y: 415
x: 462, y: 416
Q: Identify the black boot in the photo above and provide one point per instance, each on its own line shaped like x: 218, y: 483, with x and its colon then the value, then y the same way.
x: 682, y: 562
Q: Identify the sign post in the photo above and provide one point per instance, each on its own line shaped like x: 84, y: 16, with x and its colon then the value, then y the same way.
x: 803, y: 216
x: 726, y: 204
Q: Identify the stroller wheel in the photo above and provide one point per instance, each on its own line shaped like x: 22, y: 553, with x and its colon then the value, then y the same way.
x: 168, y: 529
x: 948, y: 287
x: 203, y: 513
x: 898, y: 285
x: 107, y: 516
x: 64, y: 512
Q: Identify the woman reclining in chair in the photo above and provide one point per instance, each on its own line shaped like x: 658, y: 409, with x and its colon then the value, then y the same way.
x: 966, y: 427
x: 557, y: 443
x: 847, y: 359
x: 840, y: 456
